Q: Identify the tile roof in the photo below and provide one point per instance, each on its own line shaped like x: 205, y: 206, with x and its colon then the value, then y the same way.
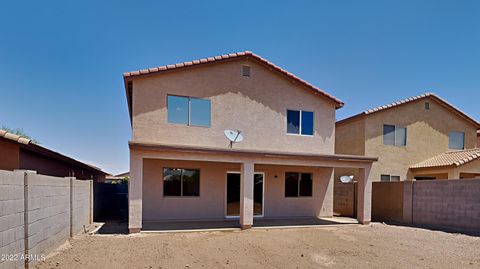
x: 14, y: 137
x: 232, y: 56
x: 32, y: 146
x: 452, y: 158
x: 409, y: 100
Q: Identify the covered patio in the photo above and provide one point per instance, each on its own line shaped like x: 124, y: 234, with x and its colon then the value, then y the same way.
x: 149, y: 210
x: 232, y: 225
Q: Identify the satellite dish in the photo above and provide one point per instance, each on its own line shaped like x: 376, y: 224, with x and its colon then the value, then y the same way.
x: 233, y: 136
x: 346, y: 179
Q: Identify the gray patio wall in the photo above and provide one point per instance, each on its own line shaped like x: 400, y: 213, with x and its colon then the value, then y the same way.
x: 56, y: 209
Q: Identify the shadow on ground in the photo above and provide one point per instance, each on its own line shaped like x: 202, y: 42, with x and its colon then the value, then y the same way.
x: 114, y: 227
x: 451, y: 230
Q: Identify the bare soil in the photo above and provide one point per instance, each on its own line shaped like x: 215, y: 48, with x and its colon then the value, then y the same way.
x: 349, y: 246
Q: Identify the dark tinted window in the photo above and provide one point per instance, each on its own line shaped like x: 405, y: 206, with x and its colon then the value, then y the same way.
x: 385, y: 178
x: 298, y: 184
x: 181, y: 182
x: 307, y: 123
x: 293, y: 122
x: 305, y: 185
x: 172, y: 182
x: 191, y: 182
x: 291, y: 184
x: 388, y: 134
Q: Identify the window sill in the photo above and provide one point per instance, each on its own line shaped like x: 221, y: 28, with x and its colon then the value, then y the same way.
x: 299, y: 135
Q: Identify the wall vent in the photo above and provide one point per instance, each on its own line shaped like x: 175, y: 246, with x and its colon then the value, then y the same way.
x: 245, y: 70
x: 427, y: 106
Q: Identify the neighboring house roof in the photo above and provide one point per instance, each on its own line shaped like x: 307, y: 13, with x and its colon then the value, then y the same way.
x: 220, y: 58
x: 14, y: 137
x: 28, y: 144
x: 410, y: 100
x: 452, y: 158
x: 126, y: 174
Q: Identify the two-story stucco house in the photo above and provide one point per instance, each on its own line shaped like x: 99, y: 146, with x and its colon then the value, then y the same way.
x: 422, y: 137
x: 182, y: 166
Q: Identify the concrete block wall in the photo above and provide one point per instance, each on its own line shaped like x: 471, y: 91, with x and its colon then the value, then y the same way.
x: 54, y: 210
x: 11, y: 219
x: 48, y: 213
x: 344, y: 199
x: 81, y: 204
x: 447, y: 203
x: 450, y: 204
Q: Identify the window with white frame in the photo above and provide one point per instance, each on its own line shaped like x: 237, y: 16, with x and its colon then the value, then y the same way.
x: 456, y: 140
x: 299, y: 122
x: 389, y: 178
x: 188, y: 110
x: 394, y: 135
x: 298, y: 184
x: 181, y: 182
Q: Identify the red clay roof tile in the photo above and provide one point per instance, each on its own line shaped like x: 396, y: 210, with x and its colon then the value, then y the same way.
x: 408, y: 100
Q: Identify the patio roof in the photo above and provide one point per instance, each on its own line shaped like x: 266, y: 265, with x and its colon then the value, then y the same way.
x: 256, y: 153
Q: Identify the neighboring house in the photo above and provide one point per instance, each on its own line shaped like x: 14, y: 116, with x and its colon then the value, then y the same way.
x: 117, y: 178
x: 123, y: 175
x: 422, y: 137
x: 183, y: 168
x: 17, y: 152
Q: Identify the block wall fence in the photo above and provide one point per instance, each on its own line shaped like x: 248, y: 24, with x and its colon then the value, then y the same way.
x: 39, y: 213
x: 452, y: 204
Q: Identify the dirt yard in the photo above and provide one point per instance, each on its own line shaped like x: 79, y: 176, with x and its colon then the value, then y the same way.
x: 375, y: 246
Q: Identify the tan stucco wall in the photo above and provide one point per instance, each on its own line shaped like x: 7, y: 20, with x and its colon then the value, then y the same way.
x: 350, y: 138
x: 427, y: 136
x: 478, y: 140
x: 256, y: 106
x: 211, y: 202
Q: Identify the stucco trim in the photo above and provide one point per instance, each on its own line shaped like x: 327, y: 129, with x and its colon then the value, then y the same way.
x: 179, y: 148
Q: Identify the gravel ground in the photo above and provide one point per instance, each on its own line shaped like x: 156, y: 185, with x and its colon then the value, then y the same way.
x: 350, y: 246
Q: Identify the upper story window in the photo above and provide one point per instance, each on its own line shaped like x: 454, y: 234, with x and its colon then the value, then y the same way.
x: 299, y: 122
x: 394, y: 135
x: 456, y: 140
x: 188, y: 110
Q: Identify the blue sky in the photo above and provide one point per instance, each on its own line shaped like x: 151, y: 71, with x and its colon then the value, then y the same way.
x: 61, y: 62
